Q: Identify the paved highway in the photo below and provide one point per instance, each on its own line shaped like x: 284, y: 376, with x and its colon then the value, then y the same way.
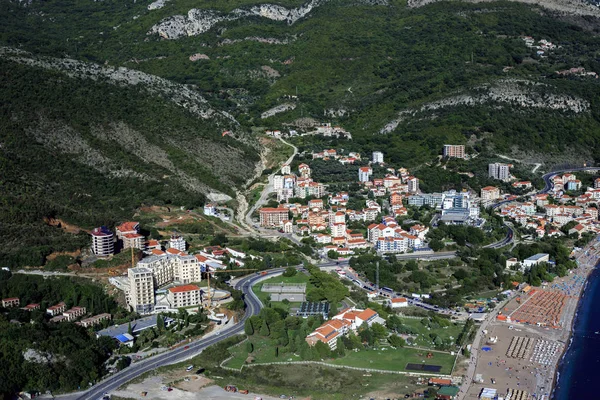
x: 253, y: 306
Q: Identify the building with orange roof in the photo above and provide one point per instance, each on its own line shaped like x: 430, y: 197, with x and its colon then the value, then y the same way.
x: 127, y: 227
x: 153, y: 245
x: 490, y: 193
x: 184, y: 296
x: 273, y: 217
x: 398, y: 302
x: 133, y: 240
x: 357, y: 317
x: 328, y: 333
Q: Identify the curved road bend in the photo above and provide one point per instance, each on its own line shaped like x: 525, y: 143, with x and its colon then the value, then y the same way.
x: 253, y: 306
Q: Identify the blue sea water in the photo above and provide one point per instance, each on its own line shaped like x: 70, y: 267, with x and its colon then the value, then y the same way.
x: 578, y: 370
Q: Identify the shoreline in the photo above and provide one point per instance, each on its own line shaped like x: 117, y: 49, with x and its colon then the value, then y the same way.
x: 572, y: 317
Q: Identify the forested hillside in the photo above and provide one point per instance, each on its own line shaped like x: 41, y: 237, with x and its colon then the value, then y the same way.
x: 83, y: 143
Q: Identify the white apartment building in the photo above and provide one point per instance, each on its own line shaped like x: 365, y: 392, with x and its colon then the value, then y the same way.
x: 177, y: 242
x: 377, y: 157
x: 338, y: 230
x: 413, y: 184
x: 277, y: 182
x: 141, y: 290
x: 184, y: 296
x: 167, y: 268
x: 499, y: 171
x: 490, y: 193
x: 364, y: 174
x: 103, y: 243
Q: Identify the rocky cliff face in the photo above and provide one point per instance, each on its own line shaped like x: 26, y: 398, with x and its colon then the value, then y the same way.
x: 179, y: 94
x: 198, y: 21
x: 519, y: 94
x: 572, y: 7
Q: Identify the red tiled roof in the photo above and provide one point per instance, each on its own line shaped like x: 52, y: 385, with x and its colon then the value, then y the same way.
x: 184, y: 288
x: 128, y: 226
x: 365, y: 315
x: 399, y: 300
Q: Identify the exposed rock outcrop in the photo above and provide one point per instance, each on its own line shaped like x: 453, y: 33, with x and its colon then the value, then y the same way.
x: 179, y: 94
x: 198, y: 21
x: 278, y: 109
x: 505, y: 93
x: 573, y: 7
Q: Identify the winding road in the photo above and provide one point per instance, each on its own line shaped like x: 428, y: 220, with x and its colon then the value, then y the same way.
x: 253, y: 306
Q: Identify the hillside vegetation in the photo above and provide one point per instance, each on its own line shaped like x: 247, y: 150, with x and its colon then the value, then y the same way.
x: 117, y: 103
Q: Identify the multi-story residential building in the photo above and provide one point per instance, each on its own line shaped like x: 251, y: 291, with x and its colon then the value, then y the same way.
x: 56, y: 309
x: 74, y: 313
x: 377, y: 157
x: 391, y: 244
x: 419, y: 230
x: 161, y: 267
x: 328, y: 333
x: 184, y: 296
x: 141, y: 290
x: 285, y: 194
x: 11, y: 302
x: 286, y: 169
x: 125, y: 228
x: 364, y: 174
x: 103, y: 243
x: 490, y: 193
x: 210, y: 209
x: 133, y: 240
x: 186, y: 269
x: 177, y: 242
x: 395, y: 198
x: 522, y: 185
x: 288, y: 226
x: 574, y: 184
x: 433, y: 200
x: 304, y: 170
x: 273, y: 217
x: 413, y: 184
x: 315, y: 203
x: 499, y: 171
x: 31, y: 307
x: 454, y: 150
x: 338, y: 230
x: 95, y: 320
x: 277, y: 182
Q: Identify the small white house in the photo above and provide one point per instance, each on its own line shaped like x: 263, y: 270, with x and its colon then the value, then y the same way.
x: 210, y: 209
x: 398, y: 302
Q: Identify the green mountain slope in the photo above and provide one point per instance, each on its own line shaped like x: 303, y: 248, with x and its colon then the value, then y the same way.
x: 402, y: 79
x: 90, y: 151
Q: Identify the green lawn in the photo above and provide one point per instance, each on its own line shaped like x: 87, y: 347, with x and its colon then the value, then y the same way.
x: 384, y: 358
x: 424, y: 340
x: 394, y: 360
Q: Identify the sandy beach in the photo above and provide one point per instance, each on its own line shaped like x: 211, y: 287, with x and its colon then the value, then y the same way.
x: 522, y: 353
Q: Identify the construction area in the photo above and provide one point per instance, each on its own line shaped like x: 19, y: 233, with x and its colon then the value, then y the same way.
x: 293, y: 292
x: 183, y: 385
